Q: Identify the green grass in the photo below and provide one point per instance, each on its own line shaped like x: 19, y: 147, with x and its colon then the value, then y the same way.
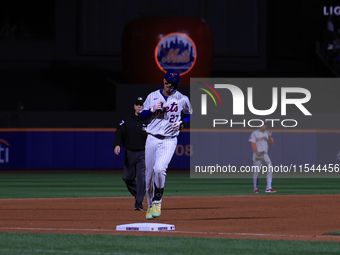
x: 26, y: 243
x: 110, y: 184
x: 334, y: 233
x: 44, y: 185
x: 179, y: 185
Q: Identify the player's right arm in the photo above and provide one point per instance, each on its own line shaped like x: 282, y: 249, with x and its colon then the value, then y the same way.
x: 253, y: 146
x: 252, y: 141
x: 150, y: 106
x: 145, y: 112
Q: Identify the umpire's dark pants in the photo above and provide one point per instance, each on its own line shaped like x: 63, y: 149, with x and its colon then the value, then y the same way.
x: 134, y: 166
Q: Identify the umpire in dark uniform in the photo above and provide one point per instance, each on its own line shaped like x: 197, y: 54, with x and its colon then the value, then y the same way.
x: 131, y: 134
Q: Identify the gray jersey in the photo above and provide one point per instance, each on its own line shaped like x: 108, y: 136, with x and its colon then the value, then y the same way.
x: 162, y: 122
x: 260, y: 139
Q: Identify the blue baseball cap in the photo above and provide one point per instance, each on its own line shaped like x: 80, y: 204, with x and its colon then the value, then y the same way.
x: 172, y: 75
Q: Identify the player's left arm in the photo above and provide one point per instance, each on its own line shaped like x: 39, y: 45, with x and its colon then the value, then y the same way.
x: 186, y: 115
x: 187, y: 110
x: 270, y: 139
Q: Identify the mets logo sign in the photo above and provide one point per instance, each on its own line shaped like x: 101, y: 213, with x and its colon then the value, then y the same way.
x: 176, y: 51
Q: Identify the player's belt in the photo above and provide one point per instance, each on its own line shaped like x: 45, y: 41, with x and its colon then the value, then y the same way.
x: 162, y: 136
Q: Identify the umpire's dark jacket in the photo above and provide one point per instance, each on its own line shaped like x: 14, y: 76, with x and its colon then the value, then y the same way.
x: 131, y: 133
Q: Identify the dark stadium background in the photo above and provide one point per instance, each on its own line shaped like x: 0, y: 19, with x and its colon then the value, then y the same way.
x: 61, y: 61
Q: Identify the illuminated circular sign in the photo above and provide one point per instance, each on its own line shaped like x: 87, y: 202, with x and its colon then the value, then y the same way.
x: 176, y: 51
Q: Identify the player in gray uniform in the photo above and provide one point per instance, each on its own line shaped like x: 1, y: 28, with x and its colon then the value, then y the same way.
x: 260, y: 139
x: 164, y: 108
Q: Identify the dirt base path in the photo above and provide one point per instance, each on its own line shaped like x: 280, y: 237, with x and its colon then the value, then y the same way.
x: 284, y: 217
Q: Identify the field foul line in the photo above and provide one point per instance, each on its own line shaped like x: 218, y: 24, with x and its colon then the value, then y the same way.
x: 172, y: 231
x: 254, y: 234
x: 59, y: 229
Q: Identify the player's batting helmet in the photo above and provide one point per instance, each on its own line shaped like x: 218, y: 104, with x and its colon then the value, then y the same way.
x: 173, y: 77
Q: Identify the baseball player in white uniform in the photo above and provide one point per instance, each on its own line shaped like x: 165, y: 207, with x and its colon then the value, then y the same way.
x: 260, y: 139
x: 164, y: 108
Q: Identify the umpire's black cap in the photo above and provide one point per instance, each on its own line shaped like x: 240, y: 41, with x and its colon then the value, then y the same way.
x: 139, y: 100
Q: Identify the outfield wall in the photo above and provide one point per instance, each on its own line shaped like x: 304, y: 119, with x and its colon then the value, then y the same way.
x: 93, y: 148
x: 290, y: 147
x: 70, y: 149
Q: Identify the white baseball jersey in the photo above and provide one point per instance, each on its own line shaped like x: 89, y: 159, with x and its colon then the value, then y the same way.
x: 161, y: 122
x: 260, y: 139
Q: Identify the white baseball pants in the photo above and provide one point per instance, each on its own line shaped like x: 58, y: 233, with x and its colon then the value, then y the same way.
x: 258, y: 163
x: 158, y: 154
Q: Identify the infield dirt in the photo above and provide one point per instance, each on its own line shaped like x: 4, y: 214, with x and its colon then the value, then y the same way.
x: 284, y: 217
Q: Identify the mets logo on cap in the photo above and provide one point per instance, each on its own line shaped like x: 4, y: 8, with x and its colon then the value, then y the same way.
x: 176, y: 51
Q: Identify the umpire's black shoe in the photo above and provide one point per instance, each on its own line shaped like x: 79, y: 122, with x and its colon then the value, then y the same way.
x: 138, y: 206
